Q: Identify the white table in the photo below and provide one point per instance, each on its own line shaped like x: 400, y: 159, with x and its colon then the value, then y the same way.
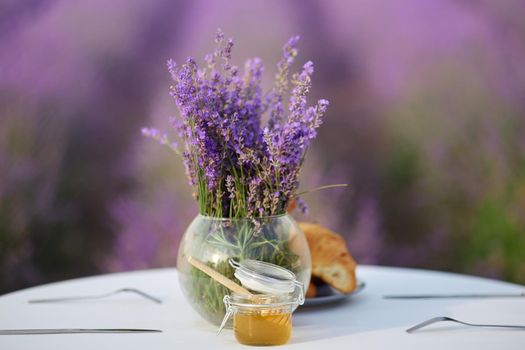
x: 366, y: 321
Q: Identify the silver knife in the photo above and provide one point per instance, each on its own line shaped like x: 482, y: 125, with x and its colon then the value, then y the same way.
x: 454, y: 296
x: 74, y: 331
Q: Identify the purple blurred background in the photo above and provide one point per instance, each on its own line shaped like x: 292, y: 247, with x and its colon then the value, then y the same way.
x: 426, y: 123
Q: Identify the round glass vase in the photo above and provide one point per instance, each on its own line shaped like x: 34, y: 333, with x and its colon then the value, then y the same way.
x: 213, y: 241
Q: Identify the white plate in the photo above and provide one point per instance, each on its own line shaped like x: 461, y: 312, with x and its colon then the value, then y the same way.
x: 328, y: 295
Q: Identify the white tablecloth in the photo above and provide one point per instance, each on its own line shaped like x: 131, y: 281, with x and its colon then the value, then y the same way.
x: 366, y: 321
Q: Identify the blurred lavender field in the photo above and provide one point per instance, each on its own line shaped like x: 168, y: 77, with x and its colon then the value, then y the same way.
x: 426, y: 122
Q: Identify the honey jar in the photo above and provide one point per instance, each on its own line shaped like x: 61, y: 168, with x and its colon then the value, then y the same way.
x: 265, y: 318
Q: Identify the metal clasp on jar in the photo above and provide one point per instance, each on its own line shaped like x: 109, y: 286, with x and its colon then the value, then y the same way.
x: 229, y: 312
x: 300, y: 299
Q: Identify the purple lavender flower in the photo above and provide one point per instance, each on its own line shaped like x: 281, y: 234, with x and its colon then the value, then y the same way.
x: 281, y: 82
x: 237, y: 166
x: 160, y: 137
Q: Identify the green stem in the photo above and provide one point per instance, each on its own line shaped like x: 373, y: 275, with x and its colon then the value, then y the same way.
x: 321, y: 188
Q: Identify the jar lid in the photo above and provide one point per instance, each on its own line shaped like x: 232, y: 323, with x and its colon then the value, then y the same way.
x: 264, y: 277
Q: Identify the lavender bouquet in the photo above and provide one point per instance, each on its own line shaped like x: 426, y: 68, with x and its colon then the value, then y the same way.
x: 242, y: 150
x: 239, y: 166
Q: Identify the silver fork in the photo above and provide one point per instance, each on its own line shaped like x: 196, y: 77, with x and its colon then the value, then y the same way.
x: 98, y: 296
x: 443, y: 318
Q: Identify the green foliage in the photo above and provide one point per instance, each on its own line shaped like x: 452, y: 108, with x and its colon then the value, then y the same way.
x: 497, y: 237
x: 245, y: 241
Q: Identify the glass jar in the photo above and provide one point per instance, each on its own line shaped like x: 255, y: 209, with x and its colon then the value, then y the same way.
x: 261, y: 319
x: 265, y: 318
x: 214, y: 241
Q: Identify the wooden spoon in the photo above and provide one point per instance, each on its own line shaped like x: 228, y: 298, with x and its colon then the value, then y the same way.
x: 217, y: 276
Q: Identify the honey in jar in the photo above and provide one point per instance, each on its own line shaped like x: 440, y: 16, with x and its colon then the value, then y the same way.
x: 263, y: 327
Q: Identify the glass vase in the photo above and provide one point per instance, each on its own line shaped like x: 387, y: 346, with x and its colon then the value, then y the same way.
x: 213, y: 241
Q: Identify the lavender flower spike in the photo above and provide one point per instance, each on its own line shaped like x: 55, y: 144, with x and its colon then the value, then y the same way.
x: 290, y: 52
x: 160, y: 137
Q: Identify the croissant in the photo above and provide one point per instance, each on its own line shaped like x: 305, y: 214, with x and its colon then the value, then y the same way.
x: 331, y: 261
x: 311, y: 292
